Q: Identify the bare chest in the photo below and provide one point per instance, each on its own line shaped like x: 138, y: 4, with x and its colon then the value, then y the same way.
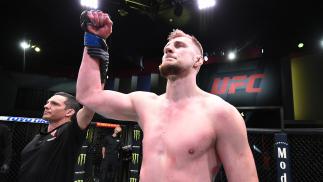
x: 182, y: 132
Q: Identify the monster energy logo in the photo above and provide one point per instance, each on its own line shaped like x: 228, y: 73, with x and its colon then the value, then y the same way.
x: 135, y: 158
x: 136, y: 134
x: 81, y: 159
x: 89, y: 135
x: 133, y: 180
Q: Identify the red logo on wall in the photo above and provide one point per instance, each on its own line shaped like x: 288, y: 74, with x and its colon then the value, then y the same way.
x: 229, y: 85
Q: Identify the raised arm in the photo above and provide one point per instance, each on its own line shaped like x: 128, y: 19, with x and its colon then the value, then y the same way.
x: 107, y: 103
x: 233, y: 148
x: 84, y: 117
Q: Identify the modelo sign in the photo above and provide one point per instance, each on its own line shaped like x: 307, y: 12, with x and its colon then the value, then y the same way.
x: 249, y: 83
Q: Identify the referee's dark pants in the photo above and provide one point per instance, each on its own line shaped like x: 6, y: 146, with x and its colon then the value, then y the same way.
x: 110, y: 169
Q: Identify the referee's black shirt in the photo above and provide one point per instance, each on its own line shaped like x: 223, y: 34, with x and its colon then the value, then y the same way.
x: 50, y: 158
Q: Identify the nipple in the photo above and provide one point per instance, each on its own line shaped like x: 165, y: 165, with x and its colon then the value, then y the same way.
x: 191, y: 151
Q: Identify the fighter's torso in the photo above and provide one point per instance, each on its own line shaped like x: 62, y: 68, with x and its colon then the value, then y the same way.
x: 179, y: 140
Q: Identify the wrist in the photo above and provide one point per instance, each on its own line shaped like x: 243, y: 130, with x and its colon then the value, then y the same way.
x: 91, y: 40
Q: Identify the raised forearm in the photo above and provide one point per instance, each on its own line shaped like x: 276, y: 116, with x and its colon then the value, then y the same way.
x: 84, y: 117
x: 95, y: 56
x: 88, y: 81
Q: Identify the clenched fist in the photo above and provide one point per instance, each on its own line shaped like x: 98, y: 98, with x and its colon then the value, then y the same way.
x: 97, y: 23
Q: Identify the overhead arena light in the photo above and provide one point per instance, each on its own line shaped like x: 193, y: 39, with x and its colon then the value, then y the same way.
x: 93, y: 4
x: 37, y: 49
x: 24, y: 45
x: 300, y: 45
x: 232, y: 55
x: 203, y: 4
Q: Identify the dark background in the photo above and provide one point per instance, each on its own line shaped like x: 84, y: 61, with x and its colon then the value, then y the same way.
x: 276, y: 26
x: 273, y: 25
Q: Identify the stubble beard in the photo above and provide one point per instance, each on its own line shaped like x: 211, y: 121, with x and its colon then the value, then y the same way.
x: 50, y: 118
x: 167, y: 70
x: 47, y: 118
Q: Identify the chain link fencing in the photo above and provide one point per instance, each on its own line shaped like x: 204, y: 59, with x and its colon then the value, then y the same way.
x: 306, y: 153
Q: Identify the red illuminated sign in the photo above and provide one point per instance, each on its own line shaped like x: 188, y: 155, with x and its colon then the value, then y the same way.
x: 230, y: 85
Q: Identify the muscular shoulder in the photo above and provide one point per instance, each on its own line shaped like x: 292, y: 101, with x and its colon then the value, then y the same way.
x: 141, y: 96
x: 219, y: 105
x: 223, y: 113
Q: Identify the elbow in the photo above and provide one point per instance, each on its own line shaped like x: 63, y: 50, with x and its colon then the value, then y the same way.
x: 86, y: 95
x: 80, y: 93
x: 80, y: 97
x: 87, y: 99
x: 83, y: 98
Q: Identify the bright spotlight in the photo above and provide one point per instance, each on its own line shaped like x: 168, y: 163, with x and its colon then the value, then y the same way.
x: 231, y: 55
x: 24, y: 45
x: 90, y: 3
x: 203, y: 4
x: 37, y: 49
x: 321, y: 43
x: 300, y: 45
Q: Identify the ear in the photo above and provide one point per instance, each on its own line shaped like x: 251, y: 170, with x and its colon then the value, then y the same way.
x: 70, y: 112
x: 198, y: 61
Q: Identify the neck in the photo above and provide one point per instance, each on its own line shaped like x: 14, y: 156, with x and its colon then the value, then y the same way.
x: 54, y: 124
x: 182, y: 87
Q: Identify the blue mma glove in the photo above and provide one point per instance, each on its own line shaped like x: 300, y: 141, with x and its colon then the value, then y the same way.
x: 96, y: 46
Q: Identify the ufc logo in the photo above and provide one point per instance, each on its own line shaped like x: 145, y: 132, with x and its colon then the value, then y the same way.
x: 230, y: 85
